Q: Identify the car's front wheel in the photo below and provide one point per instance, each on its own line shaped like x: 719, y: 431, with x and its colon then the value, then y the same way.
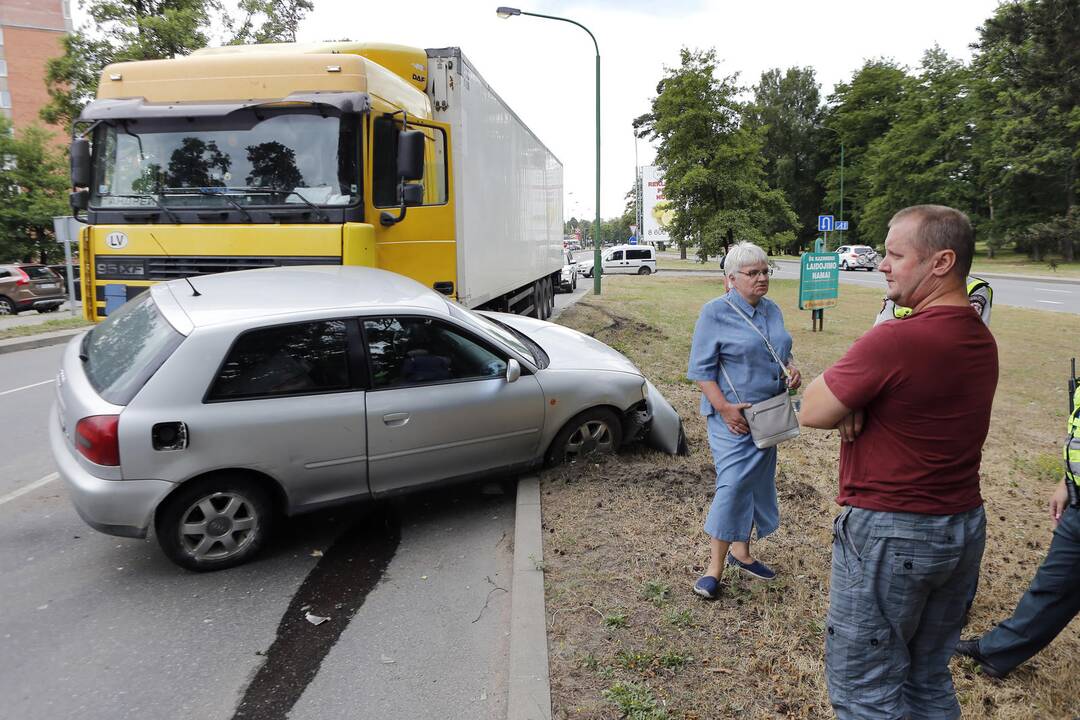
x: 593, y: 432
x: 844, y: 265
x: 214, y: 523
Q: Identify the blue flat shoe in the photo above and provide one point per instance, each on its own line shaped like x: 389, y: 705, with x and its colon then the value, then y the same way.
x: 707, y: 587
x: 756, y: 569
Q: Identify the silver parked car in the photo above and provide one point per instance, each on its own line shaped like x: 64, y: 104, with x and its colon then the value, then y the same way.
x: 284, y: 390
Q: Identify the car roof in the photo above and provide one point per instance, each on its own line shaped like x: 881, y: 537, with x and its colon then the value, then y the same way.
x: 269, y: 292
x: 631, y: 247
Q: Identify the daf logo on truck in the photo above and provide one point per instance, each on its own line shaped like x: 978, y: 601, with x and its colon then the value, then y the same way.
x: 116, y: 240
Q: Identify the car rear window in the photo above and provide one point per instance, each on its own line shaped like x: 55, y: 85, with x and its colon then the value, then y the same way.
x: 125, y: 350
x: 38, y: 272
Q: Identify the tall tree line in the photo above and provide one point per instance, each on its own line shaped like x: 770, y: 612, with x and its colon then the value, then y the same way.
x: 998, y: 137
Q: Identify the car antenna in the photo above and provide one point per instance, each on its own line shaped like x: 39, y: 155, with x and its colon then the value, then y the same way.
x: 194, y: 292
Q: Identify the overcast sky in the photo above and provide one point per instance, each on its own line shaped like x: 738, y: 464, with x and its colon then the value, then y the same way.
x: 544, y: 69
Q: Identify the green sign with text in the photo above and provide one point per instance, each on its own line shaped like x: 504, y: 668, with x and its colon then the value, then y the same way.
x: 819, y: 281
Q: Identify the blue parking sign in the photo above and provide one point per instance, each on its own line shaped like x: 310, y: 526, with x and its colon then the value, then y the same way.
x: 840, y: 225
x: 825, y: 223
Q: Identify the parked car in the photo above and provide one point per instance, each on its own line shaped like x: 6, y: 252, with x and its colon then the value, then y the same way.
x: 61, y: 270
x: 857, y: 257
x: 568, y: 278
x: 26, y: 286
x: 283, y: 390
x: 623, y: 259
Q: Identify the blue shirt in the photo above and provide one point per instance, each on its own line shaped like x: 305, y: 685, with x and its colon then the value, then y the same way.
x: 721, y: 335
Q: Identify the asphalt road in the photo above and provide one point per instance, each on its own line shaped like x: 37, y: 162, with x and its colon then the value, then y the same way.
x: 93, y: 626
x: 1034, y: 293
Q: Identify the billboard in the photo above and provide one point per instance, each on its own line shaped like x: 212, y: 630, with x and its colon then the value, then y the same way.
x: 654, y: 210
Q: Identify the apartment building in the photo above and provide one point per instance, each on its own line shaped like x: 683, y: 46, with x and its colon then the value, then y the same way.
x: 31, y: 32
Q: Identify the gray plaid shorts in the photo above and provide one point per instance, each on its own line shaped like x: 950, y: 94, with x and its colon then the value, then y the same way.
x: 897, y: 595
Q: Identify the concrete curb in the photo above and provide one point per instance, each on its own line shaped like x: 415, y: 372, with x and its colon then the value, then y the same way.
x: 30, y: 342
x: 530, y: 685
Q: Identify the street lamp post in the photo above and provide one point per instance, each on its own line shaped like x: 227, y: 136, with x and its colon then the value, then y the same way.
x: 841, y: 138
x: 509, y: 12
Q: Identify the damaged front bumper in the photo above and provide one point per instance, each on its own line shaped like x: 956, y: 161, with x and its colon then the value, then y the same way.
x: 657, y: 424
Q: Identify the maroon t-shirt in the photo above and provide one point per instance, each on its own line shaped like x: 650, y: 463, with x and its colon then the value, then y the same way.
x: 926, y: 384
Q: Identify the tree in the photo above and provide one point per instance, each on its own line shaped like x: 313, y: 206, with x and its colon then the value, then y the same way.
x: 1029, y: 116
x: 152, y: 30
x: 714, y: 178
x: 33, y: 190
x: 926, y: 155
x: 786, y: 110
x: 860, y: 112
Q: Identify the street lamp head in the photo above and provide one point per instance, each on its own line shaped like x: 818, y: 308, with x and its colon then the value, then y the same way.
x: 507, y: 12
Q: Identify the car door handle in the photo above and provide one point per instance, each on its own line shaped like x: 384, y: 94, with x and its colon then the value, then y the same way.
x: 395, y: 419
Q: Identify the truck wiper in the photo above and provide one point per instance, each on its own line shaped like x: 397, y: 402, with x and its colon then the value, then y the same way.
x: 307, y: 202
x: 158, y: 203
x: 216, y: 192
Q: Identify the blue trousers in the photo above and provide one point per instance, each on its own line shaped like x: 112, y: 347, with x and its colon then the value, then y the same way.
x: 899, y: 585
x: 1050, y: 603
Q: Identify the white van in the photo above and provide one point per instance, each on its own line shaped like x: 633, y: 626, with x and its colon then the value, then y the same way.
x: 625, y: 260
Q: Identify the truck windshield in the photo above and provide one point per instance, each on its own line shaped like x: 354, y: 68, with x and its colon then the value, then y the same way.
x: 248, y: 157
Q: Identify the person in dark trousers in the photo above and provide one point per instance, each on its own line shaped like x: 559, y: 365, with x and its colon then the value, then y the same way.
x: 912, y: 402
x: 1053, y: 598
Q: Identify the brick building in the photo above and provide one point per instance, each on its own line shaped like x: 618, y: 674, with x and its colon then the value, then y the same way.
x: 31, y: 32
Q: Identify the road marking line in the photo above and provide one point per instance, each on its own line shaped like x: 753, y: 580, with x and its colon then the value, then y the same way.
x: 29, y: 488
x: 1067, y: 292
x: 1051, y: 302
x: 26, y: 387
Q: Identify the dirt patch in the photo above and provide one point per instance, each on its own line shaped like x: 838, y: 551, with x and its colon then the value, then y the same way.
x: 624, y: 540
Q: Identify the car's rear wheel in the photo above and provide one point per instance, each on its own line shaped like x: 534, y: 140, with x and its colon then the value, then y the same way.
x: 214, y: 523
x: 7, y: 307
x: 644, y: 270
x: 593, y: 432
x: 573, y: 284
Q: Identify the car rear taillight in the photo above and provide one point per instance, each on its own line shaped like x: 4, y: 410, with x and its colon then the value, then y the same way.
x: 97, y: 439
x: 23, y: 277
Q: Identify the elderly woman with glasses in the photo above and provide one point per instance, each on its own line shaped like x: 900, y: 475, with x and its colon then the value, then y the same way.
x: 734, y: 367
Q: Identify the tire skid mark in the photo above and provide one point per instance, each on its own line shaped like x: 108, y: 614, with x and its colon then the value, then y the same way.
x: 348, y: 571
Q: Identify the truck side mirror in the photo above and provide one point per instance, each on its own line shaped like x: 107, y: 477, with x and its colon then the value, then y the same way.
x: 410, y: 155
x: 80, y: 163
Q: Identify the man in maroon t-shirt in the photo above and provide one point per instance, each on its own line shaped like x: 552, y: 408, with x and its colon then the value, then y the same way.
x: 912, y: 402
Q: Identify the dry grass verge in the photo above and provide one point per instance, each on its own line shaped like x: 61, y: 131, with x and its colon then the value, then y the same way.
x: 624, y: 539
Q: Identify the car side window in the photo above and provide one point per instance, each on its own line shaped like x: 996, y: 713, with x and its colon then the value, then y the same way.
x: 638, y: 255
x: 419, y: 351
x: 617, y: 255
x: 5, y: 273
x: 285, y: 360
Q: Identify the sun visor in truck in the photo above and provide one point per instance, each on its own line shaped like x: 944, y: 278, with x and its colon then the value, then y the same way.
x: 139, y: 109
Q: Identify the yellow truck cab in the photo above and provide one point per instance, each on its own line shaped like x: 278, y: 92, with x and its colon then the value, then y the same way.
x: 329, y: 153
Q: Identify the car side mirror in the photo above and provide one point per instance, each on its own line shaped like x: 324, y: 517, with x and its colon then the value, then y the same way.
x: 410, y: 155
x: 80, y: 163
x: 513, y: 370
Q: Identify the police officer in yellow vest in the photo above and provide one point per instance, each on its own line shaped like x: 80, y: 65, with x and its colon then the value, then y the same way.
x: 980, y: 295
x: 1053, y: 598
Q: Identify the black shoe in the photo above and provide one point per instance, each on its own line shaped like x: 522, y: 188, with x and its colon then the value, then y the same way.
x: 970, y: 648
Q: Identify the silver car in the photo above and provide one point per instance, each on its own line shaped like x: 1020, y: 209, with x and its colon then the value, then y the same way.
x: 209, y: 410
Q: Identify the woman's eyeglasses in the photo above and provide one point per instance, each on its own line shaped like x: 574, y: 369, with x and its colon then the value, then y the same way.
x: 756, y: 273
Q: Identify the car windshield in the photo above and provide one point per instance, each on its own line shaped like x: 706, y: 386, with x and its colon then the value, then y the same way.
x: 248, y: 157
x: 125, y: 350
x: 502, y: 333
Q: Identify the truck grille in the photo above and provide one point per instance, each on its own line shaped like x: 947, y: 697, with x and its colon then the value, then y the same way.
x: 113, y: 267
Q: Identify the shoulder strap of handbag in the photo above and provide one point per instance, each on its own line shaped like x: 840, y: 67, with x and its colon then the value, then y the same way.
x: 768, y: 344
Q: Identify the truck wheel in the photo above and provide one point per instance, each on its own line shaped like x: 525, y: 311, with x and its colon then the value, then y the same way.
x: 573, y: 285
x: 214, y: 523
x: 592, y: 432
x: 549, y: 295
x: 644, y: 270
